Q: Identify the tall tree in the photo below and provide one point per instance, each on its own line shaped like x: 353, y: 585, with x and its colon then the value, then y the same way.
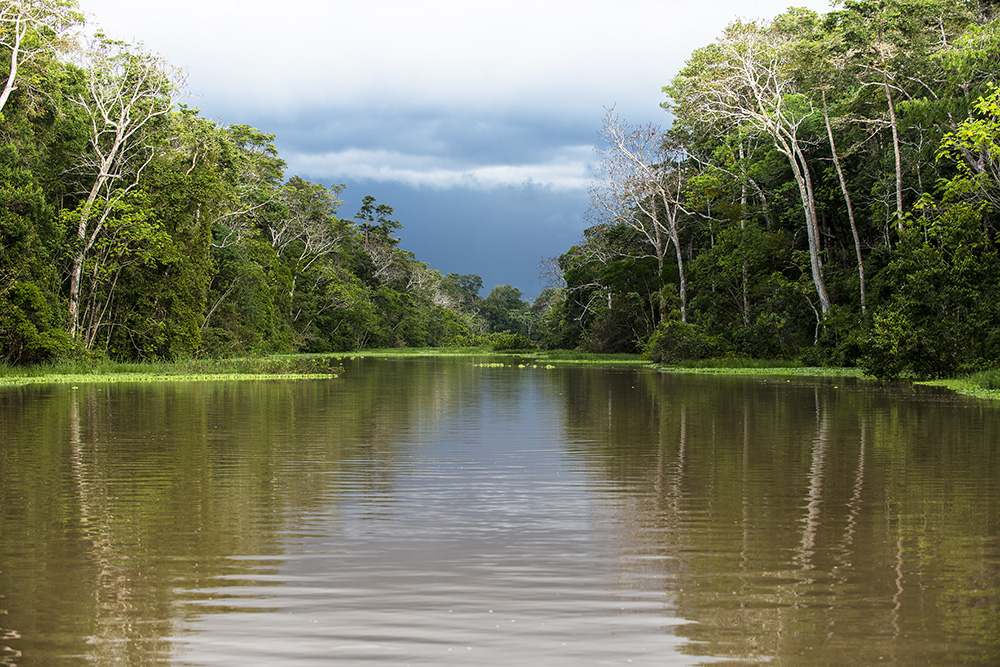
x: 745, y: 81
x: 845, y: 191
x: 253, y: 172
x: 127, y: 90
x: 890, y: 47
x: 503, y: 309
x: 377, y: 229
x: 306, y: 231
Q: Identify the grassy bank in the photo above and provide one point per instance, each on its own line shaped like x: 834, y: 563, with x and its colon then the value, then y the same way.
x: 532, y: 355
x: 980, y: 385
x: 302, y: 366
x: 743, y: 366
x: 247, y: 368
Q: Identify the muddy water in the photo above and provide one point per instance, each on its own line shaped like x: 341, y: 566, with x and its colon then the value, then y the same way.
x: 439, y: 511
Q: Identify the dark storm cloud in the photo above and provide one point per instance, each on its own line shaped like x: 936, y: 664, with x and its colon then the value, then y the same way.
x: 471, y: 136
x: 500, y: 234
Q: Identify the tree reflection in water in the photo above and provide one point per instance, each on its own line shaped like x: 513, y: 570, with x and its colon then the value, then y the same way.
x: 793, y: 520
x: 805, y: 520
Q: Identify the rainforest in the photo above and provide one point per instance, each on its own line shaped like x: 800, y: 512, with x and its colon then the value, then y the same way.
x: 824, y: 190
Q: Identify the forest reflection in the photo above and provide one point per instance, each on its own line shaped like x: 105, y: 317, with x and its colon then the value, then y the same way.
x: 787, y: 519
x: 796, y: 516
x: 123, y: 503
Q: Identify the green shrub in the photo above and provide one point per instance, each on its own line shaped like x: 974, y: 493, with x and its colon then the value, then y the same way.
x: 986, y: 379
x: 29, y: 327
x: 675, y: 341
x: 505, y: 340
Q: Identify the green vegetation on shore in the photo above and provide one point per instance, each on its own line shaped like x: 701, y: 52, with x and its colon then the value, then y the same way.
x: 979, y: 385
x: 534, y: 355
x: 249, y: 368
x: 762, y: 367
x: 290, y: 366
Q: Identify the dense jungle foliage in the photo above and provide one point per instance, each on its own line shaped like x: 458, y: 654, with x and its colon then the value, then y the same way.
x: 133, y: 228
x: 827, y: 190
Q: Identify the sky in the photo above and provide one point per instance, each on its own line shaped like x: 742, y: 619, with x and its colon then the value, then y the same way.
x: 476, y: 120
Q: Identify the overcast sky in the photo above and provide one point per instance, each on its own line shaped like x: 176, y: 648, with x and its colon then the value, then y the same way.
x: 475, y: 119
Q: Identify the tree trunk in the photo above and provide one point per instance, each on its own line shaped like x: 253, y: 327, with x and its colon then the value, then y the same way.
x: 660, y: 252
x: 803, y: 179
x: 87, y: 239
x: 895, y: 148
x: 847, y: 201
x: 15, y: 51
x: 675, y: 238
x: 743, y: 250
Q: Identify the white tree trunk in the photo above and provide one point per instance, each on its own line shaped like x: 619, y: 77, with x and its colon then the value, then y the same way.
x: 850, y: 206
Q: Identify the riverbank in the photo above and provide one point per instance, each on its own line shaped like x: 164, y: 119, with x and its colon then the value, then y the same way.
x: 294, y: 366
x: 985, y: 385
x: 980, y: 385
x: 515, y: 356
x: 191, y: 370
x: 760, y: 367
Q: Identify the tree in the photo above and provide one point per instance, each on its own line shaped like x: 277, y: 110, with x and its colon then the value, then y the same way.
x: 642, y: 185
x: 974, y: 149
x: 30, y: 29
x: 306, y: 224
x: 941, y: 316
x: 31, y: 328
x: 463, y: 291
x: 127, y: 90
x: 120, y: 294
x: 745, y: 81
x: 503, y: 310
x: 890, y: 47
x: 845, y: 191
x: 304, y: 233
x: 250, y: 167
x: 377, y: 236
x: 376, y: 227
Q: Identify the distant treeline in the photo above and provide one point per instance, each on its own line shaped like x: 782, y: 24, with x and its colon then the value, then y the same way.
x: 828, y: 189
x: 131, y: 227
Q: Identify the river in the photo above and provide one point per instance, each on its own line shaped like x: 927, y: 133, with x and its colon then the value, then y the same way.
x: 452, y: 511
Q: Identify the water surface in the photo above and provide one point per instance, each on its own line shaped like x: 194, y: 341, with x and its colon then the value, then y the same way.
x: 436, y: 511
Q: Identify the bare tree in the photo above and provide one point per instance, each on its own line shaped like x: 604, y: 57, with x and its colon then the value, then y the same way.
x: 642, y: 186
x: 551, y: 273
x: 126, y: 90
x: 308, y: 229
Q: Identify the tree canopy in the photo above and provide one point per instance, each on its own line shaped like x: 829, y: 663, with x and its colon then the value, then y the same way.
x: 827, y: 190
x: 131, y: 226
x: 833, y: 198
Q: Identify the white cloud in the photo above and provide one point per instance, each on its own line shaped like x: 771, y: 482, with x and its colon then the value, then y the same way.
x: 568, y: 169
x: 553, y: 54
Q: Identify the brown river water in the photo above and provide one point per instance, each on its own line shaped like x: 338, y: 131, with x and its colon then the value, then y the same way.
x: 438, y: 511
